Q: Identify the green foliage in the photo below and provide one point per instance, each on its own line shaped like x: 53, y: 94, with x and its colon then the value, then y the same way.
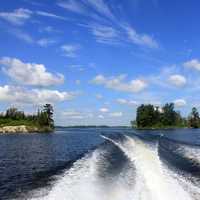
x: 149, y: 116
x: 194, y: 119
x: 43, y: 119
x: 146, y: 116
x: 169, y: 117
x: 48, y: 110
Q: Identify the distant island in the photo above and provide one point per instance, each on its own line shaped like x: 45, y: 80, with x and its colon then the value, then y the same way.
x: 92, y: 126
x: 148, y: 116
x: 155, y: 117
x: 15, y: 121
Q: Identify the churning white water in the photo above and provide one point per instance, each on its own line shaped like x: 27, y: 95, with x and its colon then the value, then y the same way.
x: 153, y: 181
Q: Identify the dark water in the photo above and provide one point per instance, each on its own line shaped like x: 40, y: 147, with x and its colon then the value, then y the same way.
x: 101, y: 164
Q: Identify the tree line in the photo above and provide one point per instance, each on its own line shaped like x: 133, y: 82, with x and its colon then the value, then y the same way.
x: 43, y: 118
x: 150, y: 116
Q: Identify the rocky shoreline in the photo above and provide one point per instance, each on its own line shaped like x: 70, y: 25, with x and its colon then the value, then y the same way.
x: 22, y: 129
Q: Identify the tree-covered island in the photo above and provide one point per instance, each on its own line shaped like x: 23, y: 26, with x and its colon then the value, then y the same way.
x: 14, y: 120
x: 155, y: 117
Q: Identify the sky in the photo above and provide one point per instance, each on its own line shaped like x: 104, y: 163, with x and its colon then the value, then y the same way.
x: 95, y: 61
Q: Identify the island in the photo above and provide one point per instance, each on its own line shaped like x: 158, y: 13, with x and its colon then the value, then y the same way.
x: 155, y: 117
x: 15, y: 121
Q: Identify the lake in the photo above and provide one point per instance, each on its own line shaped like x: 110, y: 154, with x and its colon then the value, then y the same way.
x: 101, y: 164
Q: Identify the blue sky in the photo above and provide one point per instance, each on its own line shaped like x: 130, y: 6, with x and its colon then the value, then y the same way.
x: 97, y: 60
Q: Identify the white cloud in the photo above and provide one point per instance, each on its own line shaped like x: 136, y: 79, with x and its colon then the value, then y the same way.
x: 77, y: 67
x: 17, y: 17
x: 116, y: 114
x: 140, y: 39
x: 127, y: 102
x: 72, y: 5
x: 21, y: 35
x: 180, y: 103
x: 177, y: 80
x: 99, y: 96
x: 81, y: 7
x: 72, y: 114
x: 26, y: 37
x: 193, y: 64
x: 104, y: 34
x: 70, y: 50
x: 104, y: 110
x: 101, y: 7
x: 117, y: 83
x: 47, y: 14
x: 20, y: 95
x: 48, y: 29
x: 44, y: 42
x: 29, y: 73
x: 101, y: 116
x: 78, y: 82
x: 105, y: 26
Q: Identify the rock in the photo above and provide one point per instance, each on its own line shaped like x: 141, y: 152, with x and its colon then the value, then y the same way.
x: 18, y: 129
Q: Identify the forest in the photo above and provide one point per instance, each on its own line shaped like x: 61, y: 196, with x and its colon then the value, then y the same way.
x: 43, y: 119
x: 150, y: 116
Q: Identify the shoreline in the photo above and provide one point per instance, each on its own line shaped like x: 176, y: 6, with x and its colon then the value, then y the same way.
x: 24, y: 129
x: 162, y: 128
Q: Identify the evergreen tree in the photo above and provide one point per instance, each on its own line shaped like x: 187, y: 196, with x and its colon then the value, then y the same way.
x: 48, y: 112
x: 145, y: 116
x: 194, y: 120
x: 169, y: 115
x: 149, y: 116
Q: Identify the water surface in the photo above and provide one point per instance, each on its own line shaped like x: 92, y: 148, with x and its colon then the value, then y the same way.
x: 101, y: 164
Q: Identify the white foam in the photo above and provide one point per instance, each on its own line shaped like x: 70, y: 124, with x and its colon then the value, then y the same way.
x: 190, y: 152
x: 82, y: 182
x: 153, y: 181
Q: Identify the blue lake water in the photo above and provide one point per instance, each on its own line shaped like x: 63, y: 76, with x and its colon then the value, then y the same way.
x: 101, y: 164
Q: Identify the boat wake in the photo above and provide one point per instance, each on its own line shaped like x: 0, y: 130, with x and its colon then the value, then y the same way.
x: 124, y: 169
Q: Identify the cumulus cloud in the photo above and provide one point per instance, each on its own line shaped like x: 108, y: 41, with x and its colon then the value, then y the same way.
x: 180, y: 103
x: 117, y: 83
x: 16, y: 17
x: 127, y: 102
x: 70, y: 50
x: 177, y: 80
x: 21, y: 95
x: 29, y: 73
x: 116, y: 114
x: 193, y: 64
x: 104, y: 110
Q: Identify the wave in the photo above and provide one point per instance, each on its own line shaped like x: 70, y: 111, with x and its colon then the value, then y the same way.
x: 124, y: 169
x: 183, y: 156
